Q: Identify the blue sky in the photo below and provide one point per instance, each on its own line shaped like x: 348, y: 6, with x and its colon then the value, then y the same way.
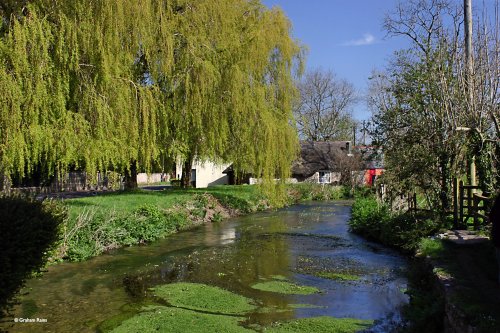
x: 345, y: 36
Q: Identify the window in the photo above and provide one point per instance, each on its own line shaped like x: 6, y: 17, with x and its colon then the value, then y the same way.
x: 324, y: 177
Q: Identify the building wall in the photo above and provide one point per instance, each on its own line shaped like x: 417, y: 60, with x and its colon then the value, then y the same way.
x: 207, y: 174
x: 334, y: 178
x: 144, y: 178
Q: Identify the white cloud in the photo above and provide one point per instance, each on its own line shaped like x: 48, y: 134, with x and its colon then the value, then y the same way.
x: 367, y: 39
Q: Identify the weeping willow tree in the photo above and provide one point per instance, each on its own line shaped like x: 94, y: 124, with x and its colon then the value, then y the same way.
x: 72, y: 91
x: 117, y: 84
x: 236, y: 74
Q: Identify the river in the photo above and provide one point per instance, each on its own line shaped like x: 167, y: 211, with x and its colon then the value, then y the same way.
x: 306, y: 244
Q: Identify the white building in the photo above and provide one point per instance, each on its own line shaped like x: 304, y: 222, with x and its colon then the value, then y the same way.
x: 205, y: 174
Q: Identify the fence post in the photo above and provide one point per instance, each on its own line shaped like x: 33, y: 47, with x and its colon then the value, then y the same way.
x: 455, y: 202
x: 475, y: 204
x: 461, y: 203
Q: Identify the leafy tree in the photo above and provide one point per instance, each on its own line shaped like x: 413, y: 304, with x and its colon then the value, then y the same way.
x: 322, y: 112
x: 120, y: 85
x: 415, y: 118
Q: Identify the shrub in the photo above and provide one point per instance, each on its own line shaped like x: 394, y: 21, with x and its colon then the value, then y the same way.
x: 368, y: 217
x: 374, y: 220
x: 311, y: 191
x: 92, y: 234
x: 29, y: 232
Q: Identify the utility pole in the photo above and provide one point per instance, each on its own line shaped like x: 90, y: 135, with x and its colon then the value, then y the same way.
x: 469, y: 79
x: 353, y: 135
x: 468, y: 48
x: 365, y: 129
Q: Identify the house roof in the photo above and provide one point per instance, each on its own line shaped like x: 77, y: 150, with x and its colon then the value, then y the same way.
x: 318, y: 155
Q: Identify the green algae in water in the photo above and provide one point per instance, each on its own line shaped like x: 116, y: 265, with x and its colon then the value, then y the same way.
x: 196, y: 296
x: 170, y: 320
x: 320, y: 324
x: 306, y: 306
x: 338, y: 276
x: 284, y: 287
x: 28, y: 308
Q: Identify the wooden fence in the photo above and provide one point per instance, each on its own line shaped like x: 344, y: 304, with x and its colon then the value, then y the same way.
x: 470, y: 208
x: 469, y: 205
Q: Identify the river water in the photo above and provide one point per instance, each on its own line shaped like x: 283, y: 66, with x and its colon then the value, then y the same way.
x: 299, y: 243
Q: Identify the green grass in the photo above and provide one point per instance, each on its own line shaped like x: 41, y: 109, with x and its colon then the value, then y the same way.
x: 195, y: 296
x: 284, y: 287
x: 338, y: 276
x: 403, y: 231
x: 126, y: 202
x: 170, y: 320
x: 320, y: 325
x: 433, y: 248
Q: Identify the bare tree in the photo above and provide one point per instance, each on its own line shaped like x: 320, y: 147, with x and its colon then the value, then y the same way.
x: 423, y: 103
x: 379, y: 98
x: 323, y: 110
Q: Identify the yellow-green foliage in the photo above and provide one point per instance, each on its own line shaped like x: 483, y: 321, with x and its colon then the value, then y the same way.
x: 98, y: 84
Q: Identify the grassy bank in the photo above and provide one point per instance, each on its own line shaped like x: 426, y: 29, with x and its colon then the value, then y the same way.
x: 96, y: 224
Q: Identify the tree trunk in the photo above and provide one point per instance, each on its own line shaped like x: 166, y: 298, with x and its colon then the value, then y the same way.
x: 131, y: 177
x: 186, y: 173
x: 444, y: 198
x: 5, y: 184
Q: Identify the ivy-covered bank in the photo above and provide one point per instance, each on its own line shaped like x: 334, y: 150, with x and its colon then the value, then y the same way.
x: 452, y: 288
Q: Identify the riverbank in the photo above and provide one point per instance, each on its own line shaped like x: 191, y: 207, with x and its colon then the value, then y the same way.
x: 466, y: 277
x: 452, y: 287
x: 100, y: 223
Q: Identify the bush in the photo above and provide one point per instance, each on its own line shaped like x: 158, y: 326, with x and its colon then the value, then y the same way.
x: 368, y: 217
x: 93, y: 234
x: 312, y: 191
x: 374, y: 221
x: 29, y: 232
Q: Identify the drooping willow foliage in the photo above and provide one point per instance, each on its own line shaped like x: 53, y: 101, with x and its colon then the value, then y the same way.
x: 103, y: 84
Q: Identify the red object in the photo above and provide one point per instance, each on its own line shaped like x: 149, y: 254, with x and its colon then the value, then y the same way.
x: 371, y: 175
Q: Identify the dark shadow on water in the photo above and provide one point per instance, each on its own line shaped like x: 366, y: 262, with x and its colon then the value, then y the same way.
x: 29, y: 230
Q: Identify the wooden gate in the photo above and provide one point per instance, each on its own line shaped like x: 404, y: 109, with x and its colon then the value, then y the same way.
x: 469, y: 205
